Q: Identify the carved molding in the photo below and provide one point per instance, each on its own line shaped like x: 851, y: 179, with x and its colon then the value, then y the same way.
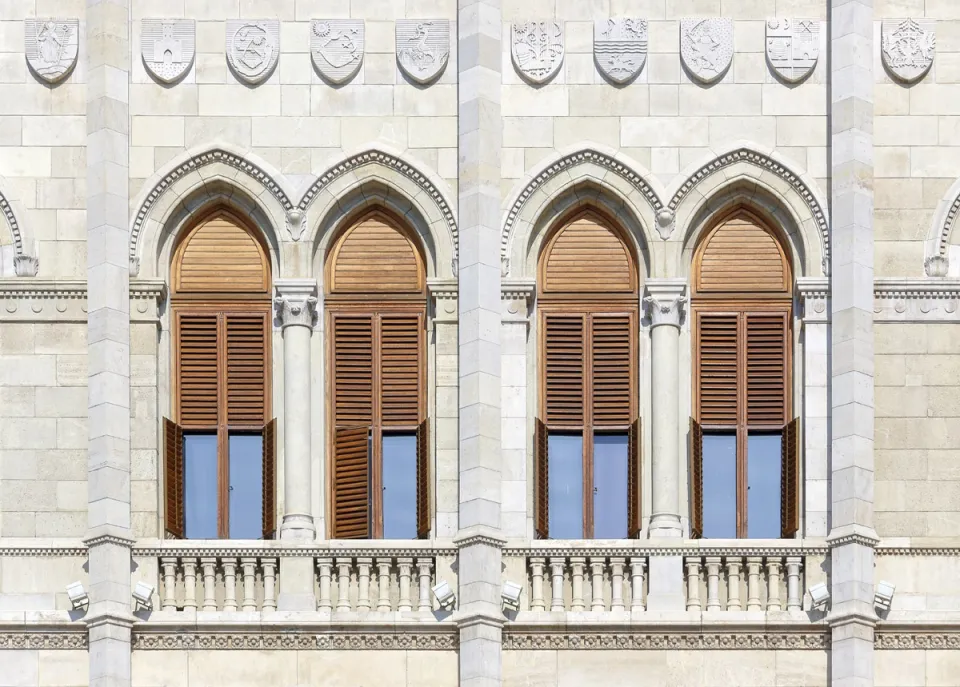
x: 44, y: 640
x: 917, y: 640
x: 681, y: 550
x: 517, y: 298
x: 445, y: 294
x: 917, y: 300
x: 918, y: 551
x: 12, y: 222
x: 66, y: 301
x: 814, y: 298
x: 759, y: 639
x: 186, y: 549
x: 444, y: 638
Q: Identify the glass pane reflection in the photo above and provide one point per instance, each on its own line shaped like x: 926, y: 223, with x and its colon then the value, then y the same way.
x: 610, y: 486
x: 565, y: 485
x: 399, y: 486
x: 763, y: 486
x: 200, y: 485
x: 246, y: 486
x: 720, y: 486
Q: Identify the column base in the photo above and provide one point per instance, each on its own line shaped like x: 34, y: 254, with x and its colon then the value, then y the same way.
x: 298, y: 526
x: 665, y: 525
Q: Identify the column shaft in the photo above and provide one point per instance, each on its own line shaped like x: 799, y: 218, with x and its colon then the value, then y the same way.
x: 665, y: 466
x: 297, y: 519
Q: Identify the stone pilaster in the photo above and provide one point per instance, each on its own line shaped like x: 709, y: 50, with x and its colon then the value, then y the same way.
x: 109, y: 538
x: 445, y: 429
x: 480, y: 138
x: 814, y: 423
x: 852, y: 537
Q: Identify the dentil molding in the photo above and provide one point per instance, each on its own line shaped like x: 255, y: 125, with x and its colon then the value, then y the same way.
x: 749, y: 639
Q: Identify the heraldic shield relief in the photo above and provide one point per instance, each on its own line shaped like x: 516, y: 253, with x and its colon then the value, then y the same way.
x: 51, y: 47
x: 336, y: 47
x: 423, y: 48
x: 167, y: 47
x: 706, y: 47
x: 253, y: 48
x: 620, y: 48
x: 793, y: 47
x: 537, y: 49
x: 908, y: 47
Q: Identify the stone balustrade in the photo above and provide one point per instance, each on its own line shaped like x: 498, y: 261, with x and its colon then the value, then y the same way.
x: 738, y: 582
x: 218, y: 582
x: 380, y: 581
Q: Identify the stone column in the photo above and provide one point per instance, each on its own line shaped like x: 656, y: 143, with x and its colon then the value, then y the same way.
x: 480, y: 141
x: 109, y: 537
x: 296, y: 303
x: 852, y: 538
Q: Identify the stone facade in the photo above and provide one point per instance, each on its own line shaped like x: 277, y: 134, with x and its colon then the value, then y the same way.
x: 480, y: 123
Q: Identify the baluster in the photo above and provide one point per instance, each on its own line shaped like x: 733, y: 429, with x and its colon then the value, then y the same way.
x: 693, y: 583
x: 249, y: 566
x: 637, y: 565
x: 616, y: 584
x: 229, y: 583
x: 383, y: 585
x: 209, y: 566
x: 537, y: 602
x: 424, y: 565
x: 713, y: 583
x: 733, y: 584
x: 405, y: 565
x: 189, y: 584
x: 169, y: 602
x: 269, y: 584
x: 324, y: 567
x: 363, y: 584
x: 343, y: 584
x: 794, y: 600
x: 773, y: 583
x: 556, y: 569
x: 596, y: 586
x: 576, y: 583
x: 753, y: 583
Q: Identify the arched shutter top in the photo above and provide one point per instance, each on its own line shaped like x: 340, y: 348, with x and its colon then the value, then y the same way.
x: 375, y: 256
x: 221, y: 256
x: 742, y: 255
x: 587, y: 256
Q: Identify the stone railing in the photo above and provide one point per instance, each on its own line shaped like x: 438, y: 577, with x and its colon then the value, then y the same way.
x: 737, y: 582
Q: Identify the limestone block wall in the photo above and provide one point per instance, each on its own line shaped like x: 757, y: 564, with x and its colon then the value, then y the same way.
x: 45, y: 668
x: 909, y: 668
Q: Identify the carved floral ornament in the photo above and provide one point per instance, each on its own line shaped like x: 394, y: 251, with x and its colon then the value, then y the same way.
x: 537, y: 48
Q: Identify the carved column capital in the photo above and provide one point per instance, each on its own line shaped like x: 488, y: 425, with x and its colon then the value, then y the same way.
x: 517, y: 297
x: 665, y: 301
x: 296, y: 302
x: 444, y: 294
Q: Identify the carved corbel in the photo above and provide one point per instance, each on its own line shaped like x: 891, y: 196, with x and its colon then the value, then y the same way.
x: 517, y: 298
x: 443, y: 293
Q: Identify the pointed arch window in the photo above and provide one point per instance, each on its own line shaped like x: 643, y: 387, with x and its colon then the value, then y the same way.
x: 744, y: 441
x: 376, y: 318
x: 220, y: 457
x: 588, y: 429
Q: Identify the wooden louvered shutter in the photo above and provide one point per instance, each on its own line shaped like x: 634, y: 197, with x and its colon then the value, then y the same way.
x: 717, y: 360
x: 173, y: 478
x: 353, y: 370
x: 542, y: 504
x: 423, y: 482
x: 270, y: 479
x: 198, y: 372
x: 790, y: 480
x: 246, y: 342
x: 611, y: 370
x: 351, y: 479
x: 564, y: 369
x: 634, y: 491
x: 400, y: 370
x: 766, y: 370
x: 696, y: 480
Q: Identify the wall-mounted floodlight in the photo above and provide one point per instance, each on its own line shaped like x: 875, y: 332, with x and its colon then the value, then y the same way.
x: 819, y: 595
x: 511, y: 594
x: 444, y: 595
x: 143, y: 595
x: 884, y: 595
x: 77, y: 595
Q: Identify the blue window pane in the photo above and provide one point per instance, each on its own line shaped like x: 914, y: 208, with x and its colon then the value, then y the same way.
x: 399, y: 486
x: 763, y: 486
x: 200, y: 485
x: 565, y: 485
x: 609, y: 486
x: 720, y: 486
x: 246, y: 486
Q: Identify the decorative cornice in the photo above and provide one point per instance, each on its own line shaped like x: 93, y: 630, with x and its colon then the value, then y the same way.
x: 76, y: 639
x: 953, y: 551
x: 377, y: 157
x: 565, y: 164
x: 814, y: 298
x: 917, y: 300
x: 188, y: 551
x: 759, y: 639
x: 885, y: 639
x: 517, y: 297
x: 690, y: 550
x: 853, y: 534
x: 442, y: 639
x: 445, y: 294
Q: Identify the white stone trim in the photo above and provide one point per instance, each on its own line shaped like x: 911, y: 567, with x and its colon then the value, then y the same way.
x: 57, y: 639
x: 692, y: 637
x: 814, y: 298
x: 400, y: 636
x: 917, y: 300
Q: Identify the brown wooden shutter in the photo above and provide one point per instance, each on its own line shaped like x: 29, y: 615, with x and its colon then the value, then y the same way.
x: 246, y: 342
x: 611, y: 370
x: 542, y: 504
x: 270, y: 479
x: 173, y: 478
x: 696, y: 480
x: 423, y: 481
x: 722, y: 267
x: 766, y: 335
x: 400, y: 370
x: 198, y: 378
x: 717, y: 378
x: 353, y: 370
x: 351, y: 479
x: 564, y: 369
x: 790, y: 480
x: 634, y: 491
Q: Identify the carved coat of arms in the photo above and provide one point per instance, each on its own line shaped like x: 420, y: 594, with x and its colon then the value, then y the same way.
x: 51, y: 47
x: 253, y: 48
x: 620, y: 47
x: 167, y: 47
x: 793, y: 47
x: 706, y: 47
x: 537, y: 49
x: 423, y: 48
x: 908, y: 47
x: 336, y: 47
